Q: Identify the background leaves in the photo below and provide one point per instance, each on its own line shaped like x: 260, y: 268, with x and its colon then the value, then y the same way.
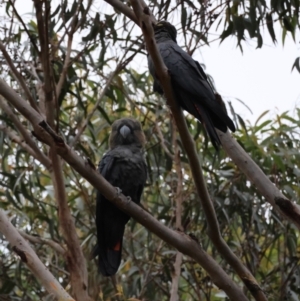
x: 104, y: 39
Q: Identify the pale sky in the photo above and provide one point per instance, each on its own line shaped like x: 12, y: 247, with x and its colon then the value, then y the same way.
x: 261, y: 78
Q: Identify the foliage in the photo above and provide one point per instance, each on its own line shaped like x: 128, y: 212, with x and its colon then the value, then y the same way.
x: 103, y: 40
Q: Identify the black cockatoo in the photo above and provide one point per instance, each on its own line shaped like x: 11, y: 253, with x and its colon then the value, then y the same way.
x: 189, y: 82
x: 122, y: 166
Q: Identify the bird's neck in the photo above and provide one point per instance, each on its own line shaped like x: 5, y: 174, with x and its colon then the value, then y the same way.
x: 163, y: 36
x: 133, y: 146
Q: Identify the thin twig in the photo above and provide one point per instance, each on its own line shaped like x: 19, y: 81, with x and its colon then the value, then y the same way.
x: 12, y: 135
x: 24, y: 26
x: 118, y: 69
x: 95, y: 107
x: 66, y: 65
x: 27, y: 137
x: 162, y: 141
x: 39, y: 240
x: 18, y: 77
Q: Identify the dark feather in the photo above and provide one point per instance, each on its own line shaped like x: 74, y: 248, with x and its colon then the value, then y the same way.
x: 124, y: 167
x: 191, y: 88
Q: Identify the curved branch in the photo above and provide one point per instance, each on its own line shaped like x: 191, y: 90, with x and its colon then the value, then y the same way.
x: 28, y: 256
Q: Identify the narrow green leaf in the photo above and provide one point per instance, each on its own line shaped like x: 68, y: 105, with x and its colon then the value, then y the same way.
x: 183, y: 18
x: 270, y: 27
x: 261, y: 116
x: 228, y: 31
x: 296, y: 64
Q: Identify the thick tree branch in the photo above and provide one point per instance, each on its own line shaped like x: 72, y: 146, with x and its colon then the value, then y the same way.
x: 178, y: 216
x: 73, y: 26
x: 75, y: 258
x: 42, y: 24
x: 146, y: 22
x: 28, y: 256
x: 255, y: 175
x: 179, y: 240
x: 123, y: 8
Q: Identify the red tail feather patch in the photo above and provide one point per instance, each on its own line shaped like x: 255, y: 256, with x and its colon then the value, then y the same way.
x: 117, y: 247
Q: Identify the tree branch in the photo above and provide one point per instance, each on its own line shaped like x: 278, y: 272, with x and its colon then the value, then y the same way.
x: 34, y: 149
x: 124, y: 9
x: 162, y: 141
x: 18, y: 77
x: 41, y: 130
x: 178, y: 200
x: 15, y: 138
x: 255, y: 175
x: 95, y: 107
x: 146, y: 21
x: 118, y: 69
x: 66, y: 65
x: 67, y: 61
x: 24, y: 26
x: 39, y: 240
x: 42, y: 25
x: 28, y: 256
x: 179, y: 240
x: 75, y: 258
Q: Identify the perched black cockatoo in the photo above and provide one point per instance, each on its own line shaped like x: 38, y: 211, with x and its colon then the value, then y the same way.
x: 122, y: 166
x: 189, y: 82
